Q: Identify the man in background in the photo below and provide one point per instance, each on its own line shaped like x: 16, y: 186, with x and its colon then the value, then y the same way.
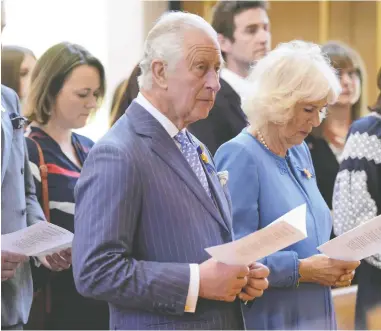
x: 244, y: 36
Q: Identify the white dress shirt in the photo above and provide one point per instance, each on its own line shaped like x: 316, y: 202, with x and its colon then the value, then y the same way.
x: 194, y: 284
x: 239, y: 84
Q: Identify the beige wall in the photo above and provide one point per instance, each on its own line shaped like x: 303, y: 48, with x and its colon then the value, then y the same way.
x: 357, y: 23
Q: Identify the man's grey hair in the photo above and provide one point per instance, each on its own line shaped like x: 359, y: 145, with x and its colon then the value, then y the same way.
x: 166, y: 39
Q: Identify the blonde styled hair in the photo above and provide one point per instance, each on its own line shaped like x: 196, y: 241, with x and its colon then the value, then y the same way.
x: 293, y: 72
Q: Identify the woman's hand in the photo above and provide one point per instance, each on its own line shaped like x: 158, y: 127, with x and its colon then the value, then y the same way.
x: 325, y: 271
x: 57, y: 261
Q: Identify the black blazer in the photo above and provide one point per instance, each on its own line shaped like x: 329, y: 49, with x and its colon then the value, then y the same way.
x: 225, y: 121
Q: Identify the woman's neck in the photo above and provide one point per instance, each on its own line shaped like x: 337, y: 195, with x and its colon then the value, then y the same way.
x: 337, y: 124
x: 270, y: 139
x: 339, y: 116
x: 56, y: 131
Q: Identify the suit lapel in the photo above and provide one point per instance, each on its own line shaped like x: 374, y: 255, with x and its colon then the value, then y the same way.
x: 164, y: 146
x: 6, y: 136
x: 233, y: 98
x: 217, y: 191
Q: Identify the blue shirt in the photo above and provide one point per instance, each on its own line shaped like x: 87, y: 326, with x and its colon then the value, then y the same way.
x: 263, y: 187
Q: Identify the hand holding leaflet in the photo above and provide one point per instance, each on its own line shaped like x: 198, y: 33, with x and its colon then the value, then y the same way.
x: 285, y: 231
x: 39, y: 239
x: 356, y: 244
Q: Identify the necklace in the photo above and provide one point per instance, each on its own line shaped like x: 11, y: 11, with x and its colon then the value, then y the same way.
x: 262, y: 140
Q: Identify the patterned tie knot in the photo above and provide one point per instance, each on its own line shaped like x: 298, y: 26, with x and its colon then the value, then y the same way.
x: 190, y: 153
x: 182, y: 138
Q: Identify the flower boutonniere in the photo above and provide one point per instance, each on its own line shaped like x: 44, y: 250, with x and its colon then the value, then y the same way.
x: 307, y: 173
x: 205, y: 159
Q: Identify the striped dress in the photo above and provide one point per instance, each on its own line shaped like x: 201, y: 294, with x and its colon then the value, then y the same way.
x: 357, y: 199
x: 69, y: 309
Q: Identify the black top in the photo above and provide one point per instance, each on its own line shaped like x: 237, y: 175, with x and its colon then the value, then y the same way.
x: 326, y: 166
x: 225, y: 121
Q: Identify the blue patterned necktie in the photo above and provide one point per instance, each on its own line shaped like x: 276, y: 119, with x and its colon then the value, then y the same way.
x: 191, y: 155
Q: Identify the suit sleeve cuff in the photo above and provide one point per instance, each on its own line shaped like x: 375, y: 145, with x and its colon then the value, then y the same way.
x: 194, y: 284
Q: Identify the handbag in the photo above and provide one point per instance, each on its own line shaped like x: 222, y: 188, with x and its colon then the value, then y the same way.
x: 41, y: 305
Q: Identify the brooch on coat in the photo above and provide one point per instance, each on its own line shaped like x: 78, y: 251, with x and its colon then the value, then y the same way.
x: 205, y: 159
x: 307, y: 173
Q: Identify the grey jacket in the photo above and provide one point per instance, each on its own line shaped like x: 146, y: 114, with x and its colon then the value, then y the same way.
x: 19, y: 208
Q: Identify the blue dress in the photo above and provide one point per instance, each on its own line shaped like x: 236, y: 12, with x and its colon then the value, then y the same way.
x: 263, y: 187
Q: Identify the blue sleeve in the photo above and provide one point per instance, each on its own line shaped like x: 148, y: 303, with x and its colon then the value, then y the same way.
x: 244, y: 187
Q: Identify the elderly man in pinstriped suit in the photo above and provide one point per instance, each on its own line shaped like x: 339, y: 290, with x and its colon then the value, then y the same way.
x: 149, y: 200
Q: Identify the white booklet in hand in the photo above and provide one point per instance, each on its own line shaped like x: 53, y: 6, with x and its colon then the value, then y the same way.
x: 39, y: 239
x: 359, y: 243
x: 285, y: 231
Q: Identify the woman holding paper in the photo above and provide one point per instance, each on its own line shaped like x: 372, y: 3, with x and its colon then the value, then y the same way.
x: 67, y: 85
x: 271, y: 173
x: 357, y: 199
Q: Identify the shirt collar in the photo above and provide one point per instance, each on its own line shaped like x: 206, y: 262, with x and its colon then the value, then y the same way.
x: 160, y: 117
x: 239, y: 84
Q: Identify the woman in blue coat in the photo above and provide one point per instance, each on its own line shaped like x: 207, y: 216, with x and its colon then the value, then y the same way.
x: 271, y: 172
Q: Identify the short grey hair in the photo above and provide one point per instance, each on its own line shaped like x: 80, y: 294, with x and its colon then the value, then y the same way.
x: 293, y: 72
x: 165, y: 41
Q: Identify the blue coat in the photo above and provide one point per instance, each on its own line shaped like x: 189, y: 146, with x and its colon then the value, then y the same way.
x: 263, y: 187
x: 142, y: 216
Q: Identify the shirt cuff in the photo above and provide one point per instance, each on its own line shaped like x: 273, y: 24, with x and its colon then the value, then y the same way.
x: 194, y: 285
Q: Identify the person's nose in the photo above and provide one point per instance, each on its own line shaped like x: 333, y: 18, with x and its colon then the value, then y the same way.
x: 263, y: 36
x: 316, y: 119
x: 346, y: 80
x: 213, y: 81
x: 92, y: 103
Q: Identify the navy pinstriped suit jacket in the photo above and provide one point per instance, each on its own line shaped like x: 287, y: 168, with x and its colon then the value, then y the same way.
x: 141, y: 217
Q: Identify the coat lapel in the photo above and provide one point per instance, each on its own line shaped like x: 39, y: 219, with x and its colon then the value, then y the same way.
x: 233, y: 98
x: 6, y: 136
x: 164, y: 146
x: 218, y: 193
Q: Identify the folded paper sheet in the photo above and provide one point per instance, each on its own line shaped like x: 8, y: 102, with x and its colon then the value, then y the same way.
x: 356, y: 244
x: 39, y: 239
x: 283, y: 232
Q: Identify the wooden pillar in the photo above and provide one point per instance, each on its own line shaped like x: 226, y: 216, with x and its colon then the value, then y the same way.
x: 323, y: 21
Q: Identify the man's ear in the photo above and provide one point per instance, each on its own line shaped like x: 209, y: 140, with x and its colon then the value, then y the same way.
x: 159, y: 73
x: 225, y: 43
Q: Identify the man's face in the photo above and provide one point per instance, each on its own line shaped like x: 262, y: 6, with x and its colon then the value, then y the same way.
x: 193, y: 84
x: 251, y: 38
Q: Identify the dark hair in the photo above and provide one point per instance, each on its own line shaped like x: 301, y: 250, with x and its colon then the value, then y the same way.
x: 125, y: 92
x: 49, y: 75
x: 377, y: 106
x: 225, y: 11
x: 11, y: 60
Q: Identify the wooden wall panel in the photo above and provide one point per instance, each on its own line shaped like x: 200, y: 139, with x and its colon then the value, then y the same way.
x: 357, y: 23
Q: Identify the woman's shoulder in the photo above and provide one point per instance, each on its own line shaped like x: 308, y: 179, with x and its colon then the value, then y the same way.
x: 85, y: 142
x: 368, y: 125
x: 243, y: 142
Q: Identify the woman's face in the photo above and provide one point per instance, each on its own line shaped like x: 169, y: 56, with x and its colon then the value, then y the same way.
x: 307, y: 115
x: 351, y: 87
x: 78, y: 97
x: 26, y: 68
